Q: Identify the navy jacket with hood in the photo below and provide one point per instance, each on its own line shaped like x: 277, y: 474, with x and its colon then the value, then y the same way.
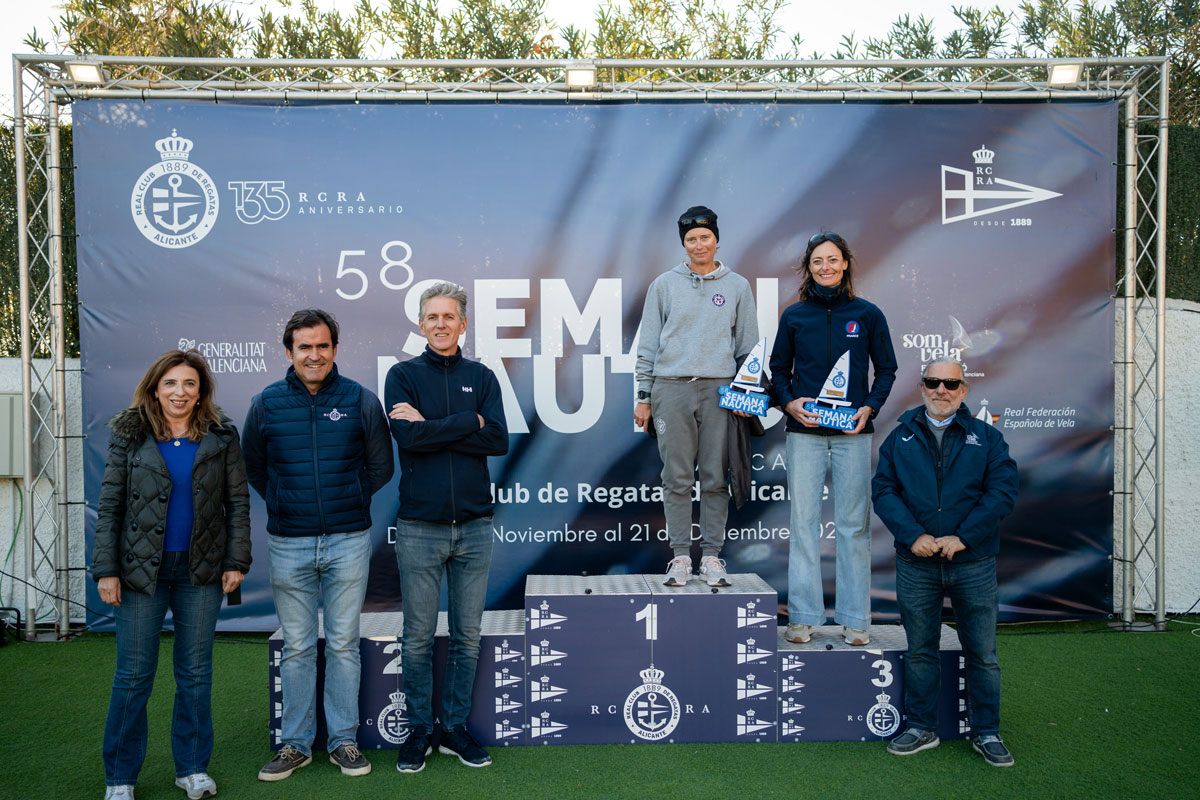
x: 317, y: 458
x: 964, y: 490
x: 443, y: 460
x: 811, y: 338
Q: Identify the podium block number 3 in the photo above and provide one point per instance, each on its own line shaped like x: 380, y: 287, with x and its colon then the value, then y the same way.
x: 650, y: 615
x: 885, y: 673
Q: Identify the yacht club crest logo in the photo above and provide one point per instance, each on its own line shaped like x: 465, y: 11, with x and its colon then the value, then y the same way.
x: 982, y: 192
x: 174, y: 202
x: 392, y: 722
x: 651, y: 710
x: 883, y: 719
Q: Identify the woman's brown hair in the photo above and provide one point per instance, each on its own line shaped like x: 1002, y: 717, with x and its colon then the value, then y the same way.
x: 205, y: 413
x: 806, y: 276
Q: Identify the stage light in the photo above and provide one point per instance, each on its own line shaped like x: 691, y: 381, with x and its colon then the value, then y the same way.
x: 581, y: 76
x: 86, y: 71
x: 1065, y: 74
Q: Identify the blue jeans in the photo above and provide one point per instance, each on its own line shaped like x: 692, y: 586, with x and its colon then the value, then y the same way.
x: 139, y: 622
x: 424, y: 550
x: 333, y: 569
x: 921, y: 587
x: 808, y: 456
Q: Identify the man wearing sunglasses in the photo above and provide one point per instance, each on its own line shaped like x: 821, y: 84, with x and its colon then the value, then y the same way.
x: 944, y: 483
x: 698, y: 323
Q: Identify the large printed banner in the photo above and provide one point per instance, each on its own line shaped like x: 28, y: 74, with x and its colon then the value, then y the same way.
x: 982, y: 230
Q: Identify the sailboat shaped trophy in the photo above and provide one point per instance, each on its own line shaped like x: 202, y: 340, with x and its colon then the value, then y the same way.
x: 747, y: 393
x: 828, y: 405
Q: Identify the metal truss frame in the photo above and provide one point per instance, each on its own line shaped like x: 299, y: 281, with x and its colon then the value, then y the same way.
x: 43, y: 86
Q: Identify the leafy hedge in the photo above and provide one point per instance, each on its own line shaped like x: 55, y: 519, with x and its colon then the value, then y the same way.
x: 1183, y: 213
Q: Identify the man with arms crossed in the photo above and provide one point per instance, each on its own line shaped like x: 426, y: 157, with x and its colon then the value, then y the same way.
x: 317, y: 448
x: 447, y: 417
x: 945, y: 481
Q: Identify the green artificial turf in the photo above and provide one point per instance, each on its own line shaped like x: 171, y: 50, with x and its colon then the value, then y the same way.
x: 1087, y: 712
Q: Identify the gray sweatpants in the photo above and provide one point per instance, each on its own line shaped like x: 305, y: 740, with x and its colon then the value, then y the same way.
x: 692, y: 433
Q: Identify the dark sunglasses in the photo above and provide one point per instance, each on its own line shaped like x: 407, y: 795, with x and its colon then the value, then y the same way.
x: 817, y: 238
x: 702, y: 221
x: 951, y: 384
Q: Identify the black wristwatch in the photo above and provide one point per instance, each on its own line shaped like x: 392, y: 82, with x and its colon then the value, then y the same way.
x: 643, y: 396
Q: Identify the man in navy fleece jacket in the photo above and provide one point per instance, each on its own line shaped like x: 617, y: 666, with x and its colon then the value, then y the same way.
x: 447, y: 417
x: 944, y: 483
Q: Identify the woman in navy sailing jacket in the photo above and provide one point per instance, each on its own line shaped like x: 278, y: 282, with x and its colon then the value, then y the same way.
x: 828, y: 321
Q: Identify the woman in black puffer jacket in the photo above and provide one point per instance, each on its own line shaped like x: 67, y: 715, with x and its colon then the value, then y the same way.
x: 173, y: 532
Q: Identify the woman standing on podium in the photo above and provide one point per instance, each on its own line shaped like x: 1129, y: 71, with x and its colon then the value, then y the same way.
x: 172, y: 532
x: 822, y: 350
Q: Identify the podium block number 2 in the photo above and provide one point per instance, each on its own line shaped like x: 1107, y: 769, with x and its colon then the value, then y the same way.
x: 650, y: 615
x: 393, y: 667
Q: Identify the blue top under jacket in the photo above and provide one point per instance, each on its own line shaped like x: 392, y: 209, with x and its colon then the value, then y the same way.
x: 179, y: 455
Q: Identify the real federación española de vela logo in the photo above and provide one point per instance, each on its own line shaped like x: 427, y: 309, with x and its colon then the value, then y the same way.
x: 651, y: 710
x: 174, y: 202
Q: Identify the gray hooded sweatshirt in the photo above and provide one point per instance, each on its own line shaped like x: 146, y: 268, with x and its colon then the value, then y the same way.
x: 695, y: 326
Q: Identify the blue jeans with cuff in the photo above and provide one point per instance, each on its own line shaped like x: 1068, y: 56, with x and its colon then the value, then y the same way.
x: 848, y: 458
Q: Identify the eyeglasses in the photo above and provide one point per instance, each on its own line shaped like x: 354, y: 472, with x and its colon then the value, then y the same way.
x: 703, y: 221
x: 817, y: 238
x: 951, y: 384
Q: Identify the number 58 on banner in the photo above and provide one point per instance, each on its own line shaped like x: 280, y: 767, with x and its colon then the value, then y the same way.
x: 386, y: 273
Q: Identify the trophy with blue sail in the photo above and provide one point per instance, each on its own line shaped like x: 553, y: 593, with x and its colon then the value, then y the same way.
x: 746, y: 392
x: 828, y: 405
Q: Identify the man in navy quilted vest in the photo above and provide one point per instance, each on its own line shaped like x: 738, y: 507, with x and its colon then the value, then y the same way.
x: 317, y: 447
x: 447, y: 417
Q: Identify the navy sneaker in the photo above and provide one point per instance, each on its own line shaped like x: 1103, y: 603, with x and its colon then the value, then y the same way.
x: 913, y: 740
x: 458, y: 742
x: 411, y: 757
x: 993, y: 750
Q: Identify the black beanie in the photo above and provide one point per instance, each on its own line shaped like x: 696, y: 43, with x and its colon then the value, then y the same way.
x: 698, y: 217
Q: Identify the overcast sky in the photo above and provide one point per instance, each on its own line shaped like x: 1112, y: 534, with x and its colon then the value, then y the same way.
x: 821, y: 23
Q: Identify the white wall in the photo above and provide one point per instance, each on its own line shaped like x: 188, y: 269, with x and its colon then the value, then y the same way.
x: 1182, y: 523
x: 12, y: 592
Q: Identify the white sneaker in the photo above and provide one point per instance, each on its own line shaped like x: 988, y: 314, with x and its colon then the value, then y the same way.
x: 197, y: 786
x: 798, y: 633
x: 855, y: 636
x: 679, y: 571
x: 122, y: 792
x: 712, y: 571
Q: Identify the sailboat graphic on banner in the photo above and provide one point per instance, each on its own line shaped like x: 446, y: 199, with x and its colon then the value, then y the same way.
x: 828, y: 405
x: 747, y: 392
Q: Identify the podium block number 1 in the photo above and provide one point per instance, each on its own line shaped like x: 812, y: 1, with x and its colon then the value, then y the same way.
x: 650, y: 615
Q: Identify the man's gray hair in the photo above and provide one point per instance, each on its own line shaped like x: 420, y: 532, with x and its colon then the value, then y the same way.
x: 947, y: 360
x: 446, y: 289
